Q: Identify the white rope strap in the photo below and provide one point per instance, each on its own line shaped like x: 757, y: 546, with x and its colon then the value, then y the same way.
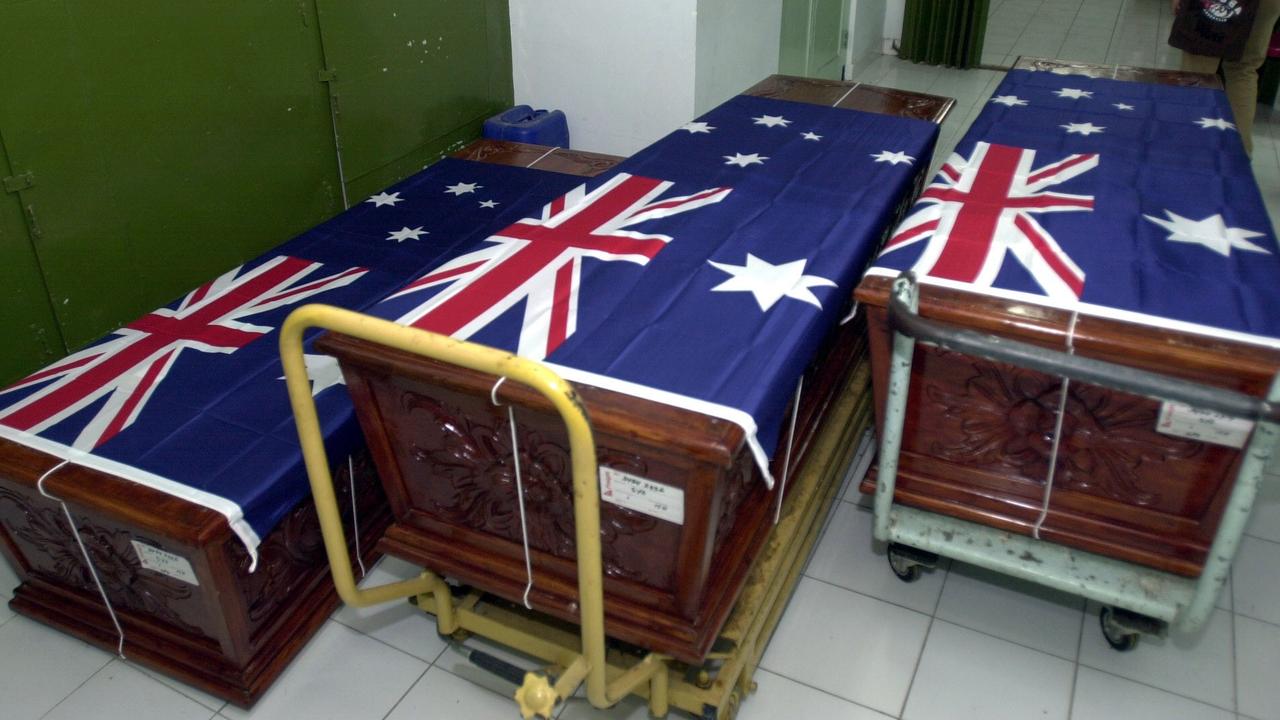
x: 786, y: 461
x: 535, y: 162
x: 355, y: 513
x: 853, y: 313
x: 93, y: 572
x: 842, y: 97
x: 515, y: 459
x: 1057, y: 432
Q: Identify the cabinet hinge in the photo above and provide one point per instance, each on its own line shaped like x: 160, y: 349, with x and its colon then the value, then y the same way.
x: 328, y: 75
x: 14, y: 183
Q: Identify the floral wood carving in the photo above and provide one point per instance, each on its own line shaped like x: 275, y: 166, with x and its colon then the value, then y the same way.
x: 1006, y: 416
x: 738, y: 484
x: 472, y: 483
x: 293, y: 553
x: 50, y: 549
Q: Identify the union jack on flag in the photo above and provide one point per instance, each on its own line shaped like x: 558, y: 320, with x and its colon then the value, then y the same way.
x: 539, y: 261
x: 128, y: 367
x: 981, y: 209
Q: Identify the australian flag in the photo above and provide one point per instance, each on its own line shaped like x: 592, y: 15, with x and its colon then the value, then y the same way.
x: 1124, y: 200
x: 703, y: 272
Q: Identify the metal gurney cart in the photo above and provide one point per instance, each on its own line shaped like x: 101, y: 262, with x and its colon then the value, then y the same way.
x: 1136, y: 599
x: 579, y: 654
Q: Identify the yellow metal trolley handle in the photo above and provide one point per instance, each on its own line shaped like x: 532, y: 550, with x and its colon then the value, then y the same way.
x: 586, y: 494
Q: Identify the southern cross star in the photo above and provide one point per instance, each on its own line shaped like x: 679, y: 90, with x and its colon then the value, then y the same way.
x: 1084, y: 128
x: 772, y: 121
x: 407, y: 234
x: 811, y: 136
x: 744, y: 160
x: 1218, y: 123
x: 384, y: 198
x: 462, y: 188
x: 1074, y: 93
x: 770, y: 283
x: 1010, y: 100
x: 893, y: 158
x: 1122, y: 106
x: 323, y: 372
x: 1211, y: 232
x: 488, y: 203
x: 697, y: 127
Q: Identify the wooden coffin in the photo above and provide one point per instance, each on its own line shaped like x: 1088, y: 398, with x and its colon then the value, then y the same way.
x: 978, y: 437
x: 210, y: 623
x: 444, y: 452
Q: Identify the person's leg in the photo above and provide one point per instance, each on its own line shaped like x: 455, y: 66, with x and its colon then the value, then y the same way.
x: 1199, y: 63
x: 1242, y: 74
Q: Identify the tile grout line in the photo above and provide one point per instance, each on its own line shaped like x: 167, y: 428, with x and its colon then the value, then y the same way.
x: 1154, y: 687
x: 393, y: 647
x: 841, y: 698
x: 406, y: 692
x: 924, y: 646
x: 1235, y: 663
x: 144, y: 671
x: 1075, y: 667
x: 84, y: 682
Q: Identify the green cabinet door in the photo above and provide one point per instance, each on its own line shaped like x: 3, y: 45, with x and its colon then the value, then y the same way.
x: 27, y: 325
x: 411, y: 80
x: 814, y: 37
x: 169, y: 141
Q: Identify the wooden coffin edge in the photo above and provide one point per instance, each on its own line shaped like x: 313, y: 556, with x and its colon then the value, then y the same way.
x: 1219, y: 362
x: 851, y: 95
x: 538, y: 157
x: 232, y: 663
x: 1181, y: 78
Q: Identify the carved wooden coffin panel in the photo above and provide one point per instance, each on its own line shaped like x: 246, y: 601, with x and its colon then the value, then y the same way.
x: 978, y: 439
x: 205, y: 620
x: 445, y: 453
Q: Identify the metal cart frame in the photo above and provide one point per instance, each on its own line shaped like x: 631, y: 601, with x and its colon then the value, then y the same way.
x: 578, y: 656
x: 1136, y: 599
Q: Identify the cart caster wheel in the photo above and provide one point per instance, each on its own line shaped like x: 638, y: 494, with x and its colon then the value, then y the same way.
x: 1120, y: 639
x: 906, y: 568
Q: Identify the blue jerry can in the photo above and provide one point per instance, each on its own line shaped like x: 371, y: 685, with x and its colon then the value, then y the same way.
x: 524, y: 124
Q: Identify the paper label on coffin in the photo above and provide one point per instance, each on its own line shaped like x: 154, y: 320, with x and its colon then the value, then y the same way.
x: 1192, y: 423
x: 165, y: 563
x: 633, y: 492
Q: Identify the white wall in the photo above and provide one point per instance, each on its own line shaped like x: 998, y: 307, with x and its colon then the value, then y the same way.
x: 866, y: 34
x: 621, y: 70
x: 893, y: 14
x: 737, y: 46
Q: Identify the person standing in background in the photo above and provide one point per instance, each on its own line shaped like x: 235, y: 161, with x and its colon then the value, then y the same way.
x: 1242, y: 74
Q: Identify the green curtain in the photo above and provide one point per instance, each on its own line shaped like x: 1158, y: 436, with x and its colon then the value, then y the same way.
x: 944, y: 32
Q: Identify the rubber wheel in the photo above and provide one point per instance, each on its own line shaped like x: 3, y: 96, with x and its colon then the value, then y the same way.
x: 1121, y: 642
x: 906, y: 570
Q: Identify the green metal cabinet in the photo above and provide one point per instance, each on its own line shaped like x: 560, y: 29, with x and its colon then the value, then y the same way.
x: 166, y: 142
x: 25, y: 312
x: 409, y: 80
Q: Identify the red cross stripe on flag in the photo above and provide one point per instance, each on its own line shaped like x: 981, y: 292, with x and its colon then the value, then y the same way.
x: 980, y: 209
x: 540, y: 261
x: 128, y: 367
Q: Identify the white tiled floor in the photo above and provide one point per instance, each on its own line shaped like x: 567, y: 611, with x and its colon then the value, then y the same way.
x: 855, y: 644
